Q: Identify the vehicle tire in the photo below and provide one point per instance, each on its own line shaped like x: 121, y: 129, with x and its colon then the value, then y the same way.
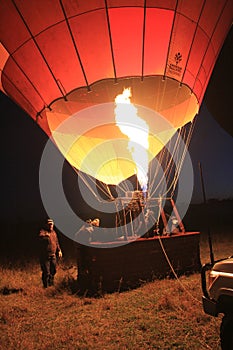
x: 226, y: 332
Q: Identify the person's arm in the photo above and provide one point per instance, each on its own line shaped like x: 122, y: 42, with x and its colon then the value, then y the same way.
x: 43, y: 234
x: 58, y: 250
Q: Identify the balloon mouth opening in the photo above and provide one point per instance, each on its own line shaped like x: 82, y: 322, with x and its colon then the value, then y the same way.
x: 85, y: 130
x: 159, y: 93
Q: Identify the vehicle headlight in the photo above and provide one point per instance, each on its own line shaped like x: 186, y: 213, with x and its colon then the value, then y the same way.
x: 212, y: 277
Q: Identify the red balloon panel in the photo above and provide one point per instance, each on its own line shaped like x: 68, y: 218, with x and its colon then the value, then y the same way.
x: 195, y: 60
x: 12, y: 30
x: 39, y: 19
x: 126, y: 30
x: 127, y: 3
x: 91, y: 35
x: 157, y: 36
x: 205, y: 71
x: 190, y: 10
x: 211, y: 14
x: 36, y: 71
x: 74, y: 7
x: 31, y: 103
x: 222, y: 27
x: 63, y: 63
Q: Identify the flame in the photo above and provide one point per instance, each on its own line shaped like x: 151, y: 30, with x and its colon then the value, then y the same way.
x: 133, y: 126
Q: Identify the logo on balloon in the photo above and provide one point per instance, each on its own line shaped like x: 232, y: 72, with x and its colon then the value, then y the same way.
x: 175, y: 68
x: 178, y: 57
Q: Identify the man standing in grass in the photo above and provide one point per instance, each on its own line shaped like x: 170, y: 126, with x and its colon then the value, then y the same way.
x: 82, y: 240
x: 49, y: 251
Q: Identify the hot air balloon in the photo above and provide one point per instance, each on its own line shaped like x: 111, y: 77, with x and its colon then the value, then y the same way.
x: 60, y: 57
x: 65, y: 63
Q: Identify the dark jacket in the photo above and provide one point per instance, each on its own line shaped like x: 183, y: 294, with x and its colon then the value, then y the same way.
x: 49, y: 245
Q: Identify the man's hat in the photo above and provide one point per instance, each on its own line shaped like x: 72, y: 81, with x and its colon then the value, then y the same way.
x: 49, y: 221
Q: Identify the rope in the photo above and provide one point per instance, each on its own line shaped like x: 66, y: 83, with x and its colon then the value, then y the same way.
x: 88, y: 185
x: 174, y: 273
x: 187, y: 143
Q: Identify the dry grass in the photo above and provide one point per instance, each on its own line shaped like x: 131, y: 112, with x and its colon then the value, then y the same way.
x: 165, y: 314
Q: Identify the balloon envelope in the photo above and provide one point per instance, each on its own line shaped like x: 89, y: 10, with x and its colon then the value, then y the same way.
x: 58, y: 58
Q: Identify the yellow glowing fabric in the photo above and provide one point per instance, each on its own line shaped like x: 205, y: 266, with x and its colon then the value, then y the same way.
x: 92, y: 142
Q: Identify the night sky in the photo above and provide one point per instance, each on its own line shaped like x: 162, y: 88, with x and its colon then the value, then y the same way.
x: 22, y: 143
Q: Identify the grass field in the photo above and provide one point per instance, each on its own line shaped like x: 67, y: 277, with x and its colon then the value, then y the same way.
x: 163, y: 314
